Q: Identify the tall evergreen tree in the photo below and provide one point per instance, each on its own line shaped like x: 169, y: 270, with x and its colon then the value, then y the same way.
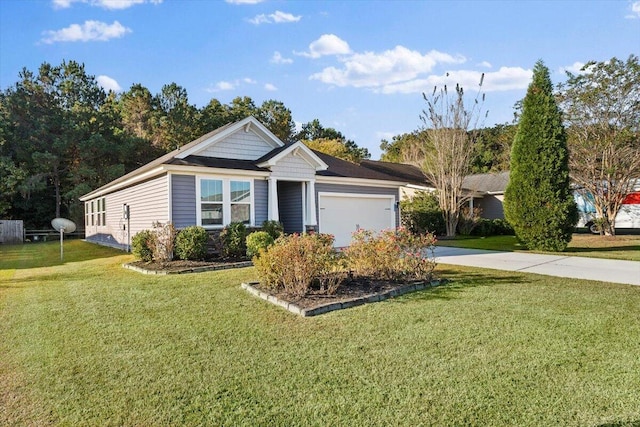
x: 538, y: 200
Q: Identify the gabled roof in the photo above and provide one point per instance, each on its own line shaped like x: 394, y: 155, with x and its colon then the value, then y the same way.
x: 217, y: 162
x: 297, y: 148
x: 183, y: 152
x: 491, y: 183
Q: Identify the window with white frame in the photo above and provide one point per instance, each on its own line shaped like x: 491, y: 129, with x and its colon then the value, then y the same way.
x: 222, y: 201
x: 96, y: 212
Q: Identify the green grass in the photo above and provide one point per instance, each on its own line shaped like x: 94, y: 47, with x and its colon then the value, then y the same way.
x: 624, y: 247
x: 90, y: 343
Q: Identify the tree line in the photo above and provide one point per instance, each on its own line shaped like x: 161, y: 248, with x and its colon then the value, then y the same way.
x: 62, y: 135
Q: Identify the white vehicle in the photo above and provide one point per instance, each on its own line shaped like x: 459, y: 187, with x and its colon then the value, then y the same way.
x: 628, y: 216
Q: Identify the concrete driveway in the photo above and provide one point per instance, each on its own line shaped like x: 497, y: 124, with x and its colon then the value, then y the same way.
x: 606, y: 270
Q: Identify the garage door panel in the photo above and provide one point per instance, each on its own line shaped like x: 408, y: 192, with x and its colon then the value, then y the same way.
x: 341, y: 215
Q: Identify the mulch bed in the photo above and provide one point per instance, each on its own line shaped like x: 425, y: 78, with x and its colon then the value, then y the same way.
x: 348, y: 290
x: 350, y: 294
x: 181, y: 267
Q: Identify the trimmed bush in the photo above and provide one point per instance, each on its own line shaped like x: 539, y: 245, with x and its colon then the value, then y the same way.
x: 422, y: 214
x: 141, y: 245
x: 234, y: 240
x: 296, y: 263
x: 395, y: 255
x: 191, y: 243
x: 258, y: 241
x: 274, y: 228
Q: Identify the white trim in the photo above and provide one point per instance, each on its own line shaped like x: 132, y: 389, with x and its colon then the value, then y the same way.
x: 257, y: 128
x: 170, y: 197
x: 358, y: 181
x: 304, y: 205
x: 226, y: 200
x: 297, y: 149
x: 311, y: 201
x: 204, y: 170
x: 272, y: 209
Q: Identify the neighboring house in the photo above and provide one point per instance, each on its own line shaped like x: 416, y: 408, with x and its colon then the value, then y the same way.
x: 241, y: 172
x: 488, y: 189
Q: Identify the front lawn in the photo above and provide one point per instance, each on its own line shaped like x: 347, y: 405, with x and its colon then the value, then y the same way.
x: 625, y: 247
x: 90, y: 343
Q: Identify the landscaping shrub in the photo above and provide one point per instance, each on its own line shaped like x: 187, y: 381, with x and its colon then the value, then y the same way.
x: 162, y: 241
x: 191, y: 243
x: 296, y: 263
x: 257, y: 241
x: 274, y: 228
x: 233, y: 238
x: 469, y: 219
x: 492, y: 227
x: 422, y: 214
x: 391, y: 255
x: 140, y: 245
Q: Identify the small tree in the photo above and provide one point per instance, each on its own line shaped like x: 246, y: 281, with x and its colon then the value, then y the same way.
x: 602, y: 110
x: 538, y: 201
x: 445, y: 150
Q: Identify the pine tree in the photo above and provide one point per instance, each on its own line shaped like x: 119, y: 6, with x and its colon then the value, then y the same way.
x: 538, y: 200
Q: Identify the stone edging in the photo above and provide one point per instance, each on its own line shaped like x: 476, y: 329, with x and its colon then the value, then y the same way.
x: 241, y: 264
x: 326, y: 308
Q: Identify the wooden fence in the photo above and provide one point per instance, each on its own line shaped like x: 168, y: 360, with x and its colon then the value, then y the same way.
x: 11, y: 231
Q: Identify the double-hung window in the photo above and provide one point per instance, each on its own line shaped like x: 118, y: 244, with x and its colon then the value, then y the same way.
x: 222, y: 201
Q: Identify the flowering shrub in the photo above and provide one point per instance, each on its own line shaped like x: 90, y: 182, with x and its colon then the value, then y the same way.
x: 391, y: 255
x: 296, y: 263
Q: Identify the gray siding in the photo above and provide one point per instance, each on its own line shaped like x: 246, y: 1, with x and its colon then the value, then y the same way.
x: 491, y: 206
x: 290, y: 206
x: 148, y: 202
x: 261, y: 199
x: 293, y: 167
x: 356, y: 189
x: 183, y: 200
x: 240, y: 145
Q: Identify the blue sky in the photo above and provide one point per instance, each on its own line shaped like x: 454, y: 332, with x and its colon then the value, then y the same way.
x: 357, y: 66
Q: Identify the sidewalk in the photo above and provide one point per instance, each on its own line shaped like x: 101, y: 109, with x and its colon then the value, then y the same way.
x: 606, y: 270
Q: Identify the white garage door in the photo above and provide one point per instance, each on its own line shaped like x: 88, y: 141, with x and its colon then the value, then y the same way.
x: 341, y: 214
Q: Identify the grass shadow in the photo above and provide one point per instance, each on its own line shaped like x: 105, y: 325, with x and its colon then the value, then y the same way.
x: 457, y: 280
x: 604, y: 249
x: 38, y: 255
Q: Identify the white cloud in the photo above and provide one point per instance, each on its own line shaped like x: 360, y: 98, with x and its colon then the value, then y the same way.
x: 277, y: 58
x: 277, y: 17
x: 573, y: 68
x: 107, y: 83
x: 374, y: 70
x: 230, y: 85
x: 327, y: 44
x: 635, y: 10
x: 485, y: 64
x: 105, y: 4
x: 89, y: 31
x: 506, y: 78
x: 244, y: 1
x: 270, y: 87
x: 222, y: 86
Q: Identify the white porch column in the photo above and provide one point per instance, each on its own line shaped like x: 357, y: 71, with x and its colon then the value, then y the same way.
x: 272, y: 210
x: 311, y: 203
x: 471, y: 205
